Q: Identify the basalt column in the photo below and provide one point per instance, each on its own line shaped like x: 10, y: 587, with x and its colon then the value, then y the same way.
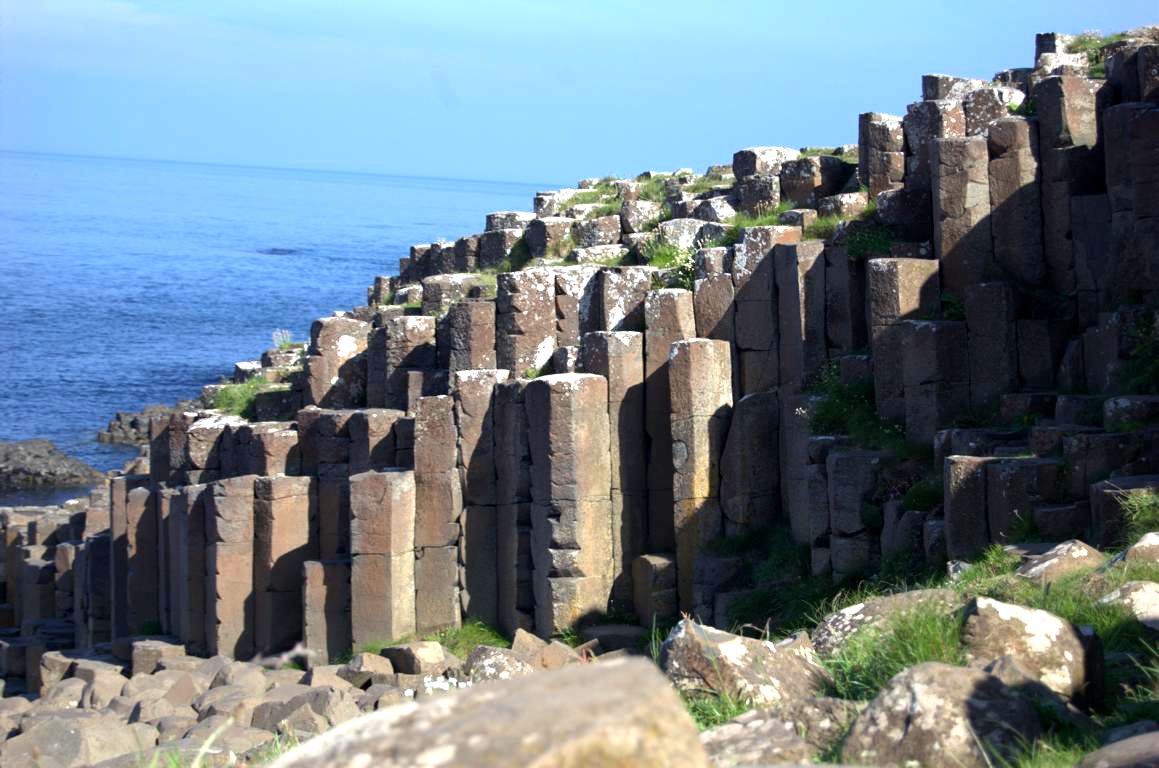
x: 229, y: 567
x: 336, y: 363
x: 119, y: 490
x: 961, y: 195
x: 619, y: 357
x: 669, y: 317
x: 382, y: 570
x: 516, y: 597
x: 285, y: 527
x: 475, y: 420
x: 700, y: 378
x: 571, y: 520
x: 438, y: 513
x: 187, y: 524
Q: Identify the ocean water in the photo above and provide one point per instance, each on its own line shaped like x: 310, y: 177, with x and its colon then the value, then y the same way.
x: 129, y: 282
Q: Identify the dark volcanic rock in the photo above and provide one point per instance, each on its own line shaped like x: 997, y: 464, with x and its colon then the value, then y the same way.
x: 133, y: 426
x: 39, y: 464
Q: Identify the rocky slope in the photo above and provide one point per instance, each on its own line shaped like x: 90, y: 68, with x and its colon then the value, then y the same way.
x: 857, y: 447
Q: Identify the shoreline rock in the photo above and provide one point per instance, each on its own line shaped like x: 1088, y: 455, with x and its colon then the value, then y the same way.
x: 33, y: 464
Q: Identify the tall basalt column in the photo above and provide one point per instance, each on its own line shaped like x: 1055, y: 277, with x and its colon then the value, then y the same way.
x: 571, y: 519
x: 1071, y: 163
x: 516, y: 597
x: 961, y: 194
x: 525, y: 320
x: 143, y: 575
x: 475, y: 419
x: 1015, y: 199
x: 800, y: 275
x: 188, y: 525
x: 326, y: 608
x: 700, y: 378
x: 754, y: 279
x: 619, y: 358
x: 993, y: 343
x: 229, y: 567
x: 438, y: 513
x: 121, y: 549
x: 897, y: 289
x: 382, y: 569
x: 166, y: 500
x: 285, y: 536
x: 669, y: 317
x: 750, y: 482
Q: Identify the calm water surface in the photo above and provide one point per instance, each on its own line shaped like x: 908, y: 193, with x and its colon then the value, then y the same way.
x: 128, y: 282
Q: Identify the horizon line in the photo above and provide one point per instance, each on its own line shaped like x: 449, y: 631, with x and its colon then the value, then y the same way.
x: 85, y: 156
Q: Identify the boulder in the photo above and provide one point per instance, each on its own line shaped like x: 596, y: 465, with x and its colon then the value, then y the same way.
x: 700, y: 659
x: 935, y: 714
x: 1145, y: 550
x: 488, y: 663
x: 839, y: 626
x: 1066, y: 558
x: 1141, y: 598
x: 423, y: 657
x: 1135, y: 752
x: 78, y: 739
x: 620, y: 713
x: 1050, y: 648
x: 366, y: 669
x: 757, y: 737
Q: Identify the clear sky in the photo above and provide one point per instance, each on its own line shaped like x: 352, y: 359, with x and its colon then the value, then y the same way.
x: 530, y: 90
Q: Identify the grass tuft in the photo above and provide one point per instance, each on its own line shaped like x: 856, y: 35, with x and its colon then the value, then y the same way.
x: 1141, y: 512
x: 664, y: 255
x: 867, y: 660
x: 711, y: 711
x: 238, y: 399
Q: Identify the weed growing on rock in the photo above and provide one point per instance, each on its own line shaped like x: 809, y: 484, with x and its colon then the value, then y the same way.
x: 823, y: 228
x: 282, y: 338
x: 1091, y: 45
x: 654, y: 189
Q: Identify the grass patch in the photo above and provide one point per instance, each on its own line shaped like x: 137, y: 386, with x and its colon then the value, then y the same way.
x: 664, y: 255
x: 1028, y: 108
x: 654, y: 189
x: 609, y: 208
x: 464, y: 639
x: 822, y: 228
x: 1091, y: 45
x: 925, y: 494
x: 711, y: 711
x: 848, y: 409
x: 868, y: 659
x: 1140, y: 374
x: 597, y: 194
x: 703, y: 184
x: 1140, y: 511
x: 865, y: 237
x: 238, y: 399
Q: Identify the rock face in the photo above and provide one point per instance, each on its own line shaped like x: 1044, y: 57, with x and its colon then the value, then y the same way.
x: 28, y: 464
x: 935, y: 714
x: 615, y: 713
x: 700, y: 659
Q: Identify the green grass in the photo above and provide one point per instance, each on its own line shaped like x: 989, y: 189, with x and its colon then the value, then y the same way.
x: 867, y: 660
x: 703, y: 184
x: 597, y: 194
x: 822, y: 228
x: 711, y: 711
x: 925, y: 494
x: 865, y: 237
x: 1140, y: 374
x: 657, y: 253
x: 238, y: 399
x: 609, y: 208
x: 1091, y: 44
x: 1141, y: 511
x: 654, y: 189
x: 458, y: 640
x: 1028, y: 108
x: 848, y: 409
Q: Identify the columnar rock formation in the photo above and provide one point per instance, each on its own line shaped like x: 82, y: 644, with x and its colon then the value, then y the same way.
x: 561, y: 437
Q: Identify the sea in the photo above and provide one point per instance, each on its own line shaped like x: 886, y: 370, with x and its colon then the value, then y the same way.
x: 130, y: 282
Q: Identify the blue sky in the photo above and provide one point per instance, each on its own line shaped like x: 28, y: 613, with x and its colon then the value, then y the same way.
x: 530, y: 90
